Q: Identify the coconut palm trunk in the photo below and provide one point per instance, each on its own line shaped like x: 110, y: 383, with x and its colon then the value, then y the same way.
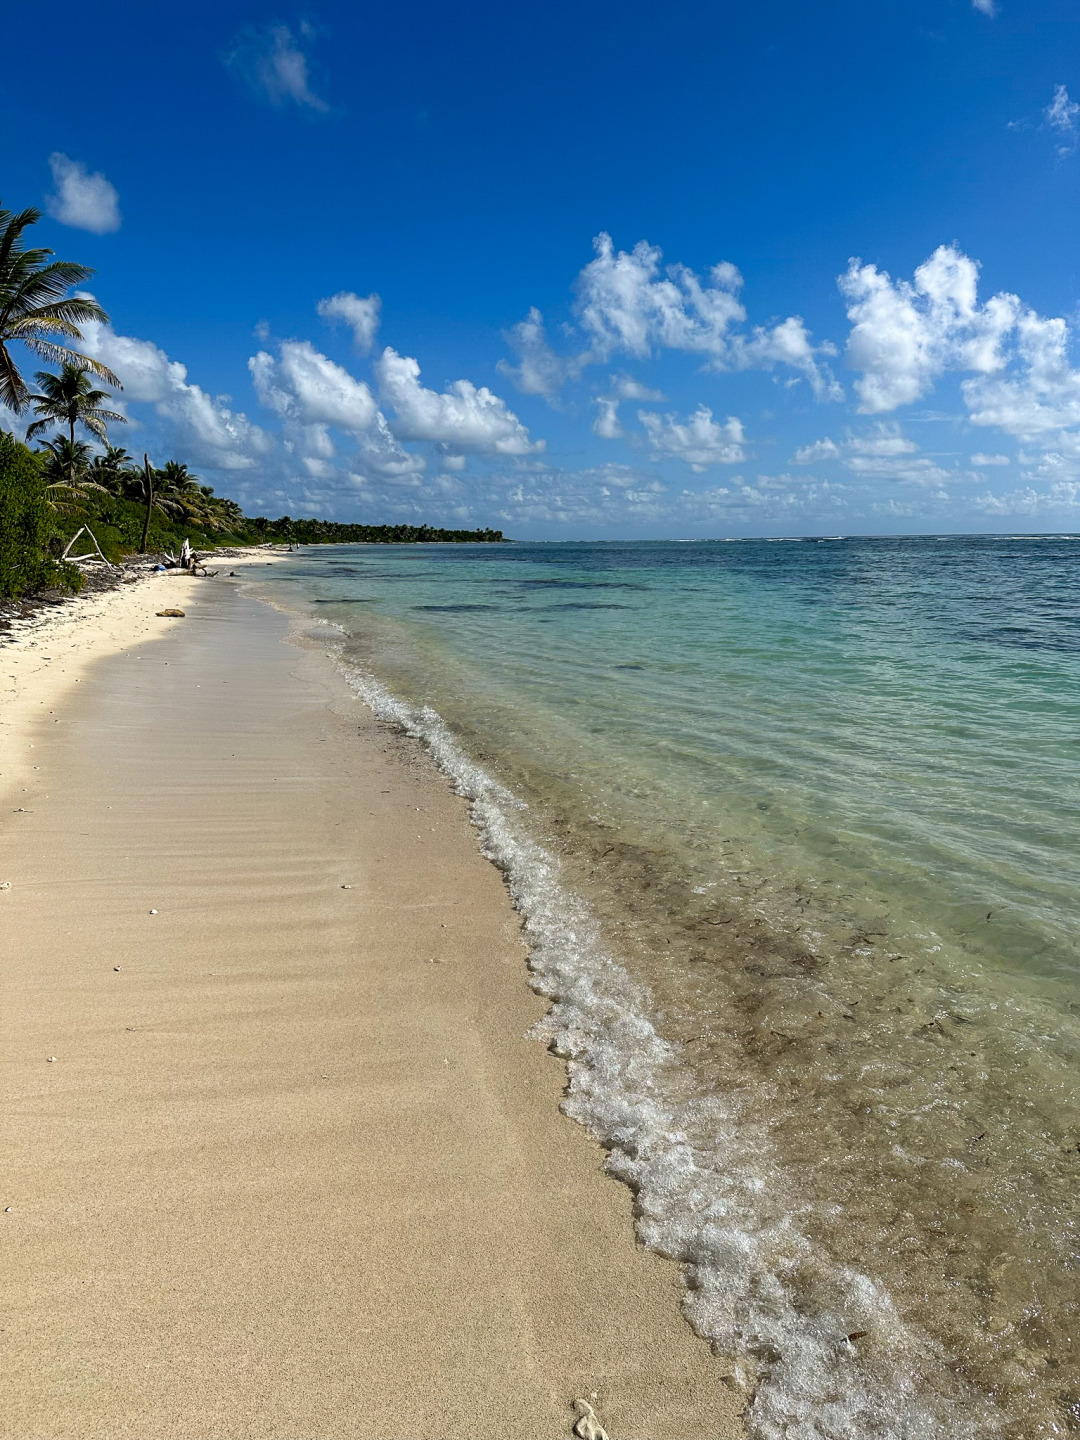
x: 149, y: 486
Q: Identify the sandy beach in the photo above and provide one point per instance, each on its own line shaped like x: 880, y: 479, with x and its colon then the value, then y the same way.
x: 281, y: 1160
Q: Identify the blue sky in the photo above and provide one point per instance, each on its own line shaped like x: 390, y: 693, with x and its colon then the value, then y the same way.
x: 575, y: 270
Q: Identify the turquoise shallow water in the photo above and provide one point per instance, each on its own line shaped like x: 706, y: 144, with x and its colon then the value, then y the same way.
x: 821, y: 799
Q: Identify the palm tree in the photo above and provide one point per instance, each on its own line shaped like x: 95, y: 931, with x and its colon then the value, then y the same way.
x: 70, y: 399
x: 35, y: 307
x: 179, y: 491
x: 68, y: 474
x: 115, y: 470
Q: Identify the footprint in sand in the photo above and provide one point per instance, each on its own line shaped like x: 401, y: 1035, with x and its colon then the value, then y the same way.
x: 587, y: 1427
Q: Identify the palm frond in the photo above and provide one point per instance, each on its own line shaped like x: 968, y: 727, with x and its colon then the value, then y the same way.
x: 37, y: 308
x: 61, y: 355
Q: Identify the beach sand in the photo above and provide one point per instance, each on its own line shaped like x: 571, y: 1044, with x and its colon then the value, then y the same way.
x: 295, y: 1169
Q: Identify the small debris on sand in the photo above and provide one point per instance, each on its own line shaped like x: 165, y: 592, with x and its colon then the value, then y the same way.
x: 179, y: 614
x: 588, y: 1427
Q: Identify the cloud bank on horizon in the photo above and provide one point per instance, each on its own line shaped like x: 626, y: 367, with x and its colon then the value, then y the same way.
x: 336, y: 442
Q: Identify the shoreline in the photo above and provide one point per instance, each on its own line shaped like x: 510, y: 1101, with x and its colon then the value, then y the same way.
x: 296, y: 1168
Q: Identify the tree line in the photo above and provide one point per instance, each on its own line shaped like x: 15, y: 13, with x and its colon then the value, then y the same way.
x: 70, y: 482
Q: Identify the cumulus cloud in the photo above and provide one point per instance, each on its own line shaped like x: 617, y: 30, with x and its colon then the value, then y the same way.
x: 465, y: 418
x: 270, y: 61
x: 539, y: 370
x: 884, y: 442
x: 907, y: 333
x: 360, y: 313
x: 83, y: 200
x: 1061, y: 116
x: 607, y: 424
x: 313, y: 395
x: 700, y: 441
x: 623, y: 387
x: 200, y: 427
x: 1040, y: 392
x: 628, y: 303
x: 984, y: 460
x: 1061, y: 499
x: 905, y: 469
x: 883, y: 453
x: 305, y: 386
x: 820, y: 450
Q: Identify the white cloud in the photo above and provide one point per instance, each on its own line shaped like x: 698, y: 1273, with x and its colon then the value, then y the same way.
x: 882, y: 453
x: 700, y: 441
x: 905, y: 334
x: 202, y: 429
x: 985, y: 7
x: 83, y: 200
x: 624, y: 304
x: 1062, y: 498
x: 820, y: 450
x: 539, y: 370
x: 360, y: 313
x: 465, y: 418
x: 627, y: 304
x: 883, y: 442
x: 1040, y: 394
x: 607, y: 424
x: 907, y: 470
x: 623, y: 387
x: 312, y: 394
x: 1061, y: 116
x: 787, y: 343
x: 305, y: 386
x: 271, y: 62
x: 984, y: 460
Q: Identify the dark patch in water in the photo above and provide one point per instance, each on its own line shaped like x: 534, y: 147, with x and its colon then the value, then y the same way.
x: 1022, y: 638
x: 628, y: 667
x: 346, y: 600
x: 580, y: 584
x: 454, y: 609
x: 586, y: 605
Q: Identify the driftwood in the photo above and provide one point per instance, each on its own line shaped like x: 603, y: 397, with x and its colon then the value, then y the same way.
x: 187, y: 560
x: 76, y: 559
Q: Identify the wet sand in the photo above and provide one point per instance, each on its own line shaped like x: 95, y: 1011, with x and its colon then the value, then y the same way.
x: 295, y: 1170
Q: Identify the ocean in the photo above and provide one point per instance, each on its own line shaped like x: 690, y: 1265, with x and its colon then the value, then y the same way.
x: 794, y: 828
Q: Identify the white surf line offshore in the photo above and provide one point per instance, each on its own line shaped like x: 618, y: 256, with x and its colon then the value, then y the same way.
x: 708, y: 1192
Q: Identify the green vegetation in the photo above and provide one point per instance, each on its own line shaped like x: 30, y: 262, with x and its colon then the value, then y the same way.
x: 47, y: 495
x: 331, y: 532
x: 27, y: 524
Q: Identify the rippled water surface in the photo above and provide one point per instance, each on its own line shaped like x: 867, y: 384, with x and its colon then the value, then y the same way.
x: 819, y: 803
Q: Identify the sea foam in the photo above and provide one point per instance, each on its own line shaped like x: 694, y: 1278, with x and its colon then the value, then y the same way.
x: 818, y: 1349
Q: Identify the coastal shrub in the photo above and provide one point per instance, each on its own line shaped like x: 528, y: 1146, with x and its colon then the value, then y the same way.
x: 27, y: 521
